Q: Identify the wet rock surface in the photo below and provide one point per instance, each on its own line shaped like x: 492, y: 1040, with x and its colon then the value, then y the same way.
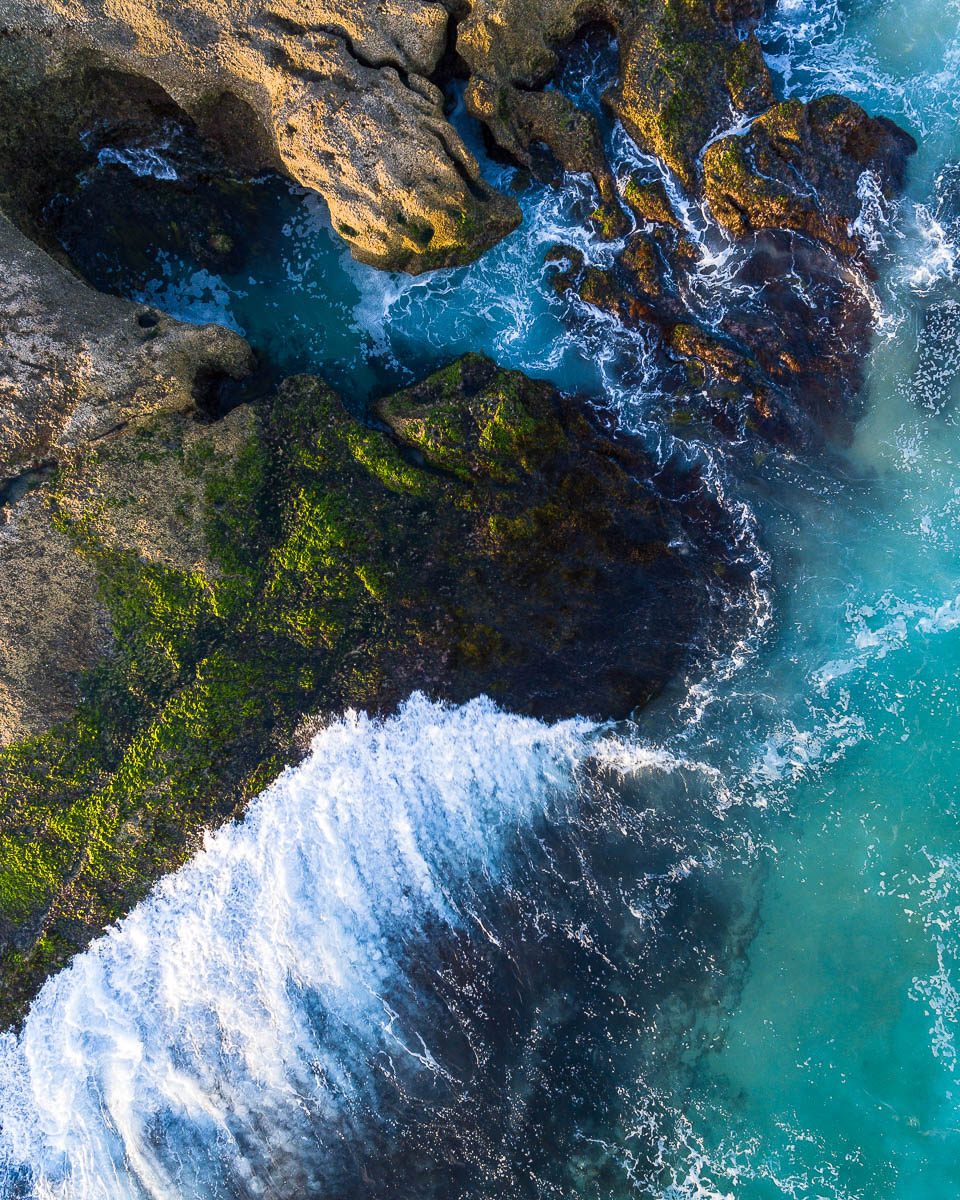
x: 483, y: 535
x: 784, y: 354
x: 683, y: 71
x: 800, y: 168
x: 350, y: 104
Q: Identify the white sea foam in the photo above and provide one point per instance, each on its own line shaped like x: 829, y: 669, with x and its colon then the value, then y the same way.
x: 199, y: 1012
x: 874, y: 217
x: 198, y: 296
x: 686, y: 1168
x: 937, y: 256
x: 935, y: 902
x: 143, y: 161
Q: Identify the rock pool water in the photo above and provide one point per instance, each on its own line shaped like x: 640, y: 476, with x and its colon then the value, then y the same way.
x: 713, y: 954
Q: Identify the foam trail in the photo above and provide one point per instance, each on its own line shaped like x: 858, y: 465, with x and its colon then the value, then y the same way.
x: 250, y: 992
x: 141, y: 161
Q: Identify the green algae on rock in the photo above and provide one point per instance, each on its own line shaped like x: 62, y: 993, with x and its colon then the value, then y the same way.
x: 480, y: 536
x: 681, y: 69
x: 77, y: 369
x: 649, y: 202
x: 789, y: 187
x: 798, y: 168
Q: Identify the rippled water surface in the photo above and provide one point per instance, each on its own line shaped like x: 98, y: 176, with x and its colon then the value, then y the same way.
x: 462, y: 954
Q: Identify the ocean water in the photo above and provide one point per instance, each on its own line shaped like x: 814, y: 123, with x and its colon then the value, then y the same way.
x: 711, y: 953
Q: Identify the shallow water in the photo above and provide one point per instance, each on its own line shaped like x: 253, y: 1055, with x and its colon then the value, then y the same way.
x: 713, y: 954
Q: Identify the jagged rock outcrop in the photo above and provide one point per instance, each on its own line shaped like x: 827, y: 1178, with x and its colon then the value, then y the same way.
x: 339, y: 98
x: 175, y: 596
x: 685, y: 67
x: 346, y: 102
x: 789, y: 189
x: 80, y: 373
x: 510, y: 51
x: 799, y: 167
x: 483, y: 538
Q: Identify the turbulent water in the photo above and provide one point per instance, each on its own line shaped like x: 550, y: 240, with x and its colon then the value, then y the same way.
x: 462, y: 954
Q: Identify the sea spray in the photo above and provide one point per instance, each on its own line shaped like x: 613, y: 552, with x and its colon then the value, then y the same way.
x: 255, y: 978
x: 432, y: 922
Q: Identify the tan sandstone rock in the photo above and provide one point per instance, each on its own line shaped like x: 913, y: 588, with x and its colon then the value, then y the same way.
x: 52, y: 626
x: 337, y: 95
x: 109, y: 402
x: 75, y: 364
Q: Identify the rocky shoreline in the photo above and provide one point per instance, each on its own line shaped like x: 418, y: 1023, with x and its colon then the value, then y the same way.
x: 183, y: 584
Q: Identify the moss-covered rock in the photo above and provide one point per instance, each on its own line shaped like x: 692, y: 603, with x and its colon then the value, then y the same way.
x: 771, y: 362
x: 521, y: 119
x: 681, y: 69
x: 641, y: 262
x: 565, y: 265
x: 483, y: 536
x: 606, y: 290
x: 79, y: 372
x: 799, y: 166
x: 649, y: 202
x: 747, y: 78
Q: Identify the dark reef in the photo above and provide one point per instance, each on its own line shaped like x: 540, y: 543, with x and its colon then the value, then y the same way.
x: 484, y: 536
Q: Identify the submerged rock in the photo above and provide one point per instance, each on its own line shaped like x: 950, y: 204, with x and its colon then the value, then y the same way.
x: 484, y: 535
x: 519, y: 119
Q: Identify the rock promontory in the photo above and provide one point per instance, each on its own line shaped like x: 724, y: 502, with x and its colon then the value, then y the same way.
x: 186, y: 581
x: 802, y: 168
x: 482, y: 534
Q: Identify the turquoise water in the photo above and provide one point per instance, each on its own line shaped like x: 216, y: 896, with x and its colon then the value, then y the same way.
x: 713, y: 954
x: 837, y: 1075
